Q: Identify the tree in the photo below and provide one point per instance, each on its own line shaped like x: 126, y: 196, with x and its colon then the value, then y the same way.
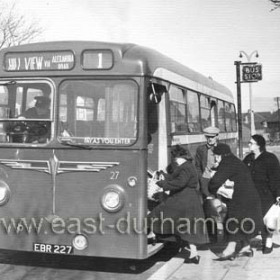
x: 16, y: 29
x: 275, y: 3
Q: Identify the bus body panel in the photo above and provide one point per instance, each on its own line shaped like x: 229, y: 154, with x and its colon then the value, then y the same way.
x: 76, y: 205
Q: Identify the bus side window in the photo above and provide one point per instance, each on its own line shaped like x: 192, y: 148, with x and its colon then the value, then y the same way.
x: 205, y: 111
x: 193, y: 111
x: 213, y: 113
x: 221, y: 116
x: 178, y: 105
x: 233, y: 117
x: 228, y: 117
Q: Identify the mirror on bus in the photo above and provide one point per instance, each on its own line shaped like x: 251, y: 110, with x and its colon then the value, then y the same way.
x: 155, y: 91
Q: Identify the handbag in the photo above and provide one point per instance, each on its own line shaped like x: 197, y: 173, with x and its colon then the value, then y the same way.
x: 216, y: 211
x: 226, y: 190
x: 214, y: 208
x: 153, y: 188
x: 272, y: 217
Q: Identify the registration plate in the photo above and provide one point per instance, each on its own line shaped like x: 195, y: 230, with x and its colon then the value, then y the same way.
x: 53, y: 249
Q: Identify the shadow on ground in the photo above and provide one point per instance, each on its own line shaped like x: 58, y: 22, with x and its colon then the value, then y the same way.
x: 111, y: 265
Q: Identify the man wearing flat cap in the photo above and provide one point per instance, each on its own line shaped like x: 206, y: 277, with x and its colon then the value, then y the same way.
x: 204, y: 158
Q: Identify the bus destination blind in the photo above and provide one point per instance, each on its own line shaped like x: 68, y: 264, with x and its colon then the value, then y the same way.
x: 39, y: 61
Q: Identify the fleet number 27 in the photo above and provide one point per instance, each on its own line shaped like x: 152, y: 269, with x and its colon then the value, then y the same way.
x: 114, y: 175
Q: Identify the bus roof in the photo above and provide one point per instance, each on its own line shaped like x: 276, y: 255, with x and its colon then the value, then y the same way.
x: 128, y: 59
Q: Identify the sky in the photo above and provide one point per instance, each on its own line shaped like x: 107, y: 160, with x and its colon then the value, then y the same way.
x: 205, y: 35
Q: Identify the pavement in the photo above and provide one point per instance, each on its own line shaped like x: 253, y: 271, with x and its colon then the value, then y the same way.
x: 257, y: 267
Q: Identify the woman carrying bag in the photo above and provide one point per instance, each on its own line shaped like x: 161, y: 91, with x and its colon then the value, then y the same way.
x: 177, y: 214
x: 244, y: 216
x: 265, y: 170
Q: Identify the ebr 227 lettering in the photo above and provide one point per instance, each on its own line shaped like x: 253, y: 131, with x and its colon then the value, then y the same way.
x: 52, y: 248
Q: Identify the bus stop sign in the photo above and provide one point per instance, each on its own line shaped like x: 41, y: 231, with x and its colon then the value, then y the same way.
x: 251, y: 72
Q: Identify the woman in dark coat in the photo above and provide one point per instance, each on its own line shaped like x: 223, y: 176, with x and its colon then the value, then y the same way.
x: 265, y: 170
x: 181, y: 213
x: 244, y: 216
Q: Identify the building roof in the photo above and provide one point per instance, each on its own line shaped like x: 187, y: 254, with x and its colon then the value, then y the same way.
x: 274, y: 117
x: 259, y: 116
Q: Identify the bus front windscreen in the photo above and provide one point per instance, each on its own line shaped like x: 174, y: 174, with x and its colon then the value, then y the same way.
x: 26, y: 114
x: 98, y: 112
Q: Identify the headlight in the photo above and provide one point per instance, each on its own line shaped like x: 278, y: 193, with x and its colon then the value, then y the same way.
x: 4, y: 193
x: 113, y: 198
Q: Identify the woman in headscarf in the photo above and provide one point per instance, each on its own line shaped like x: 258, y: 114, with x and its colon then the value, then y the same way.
x: 265, y: 170
x: 244, y: 216
x: 181, y: 213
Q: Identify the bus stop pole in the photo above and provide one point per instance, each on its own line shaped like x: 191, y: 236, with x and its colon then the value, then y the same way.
x: 239, y: 114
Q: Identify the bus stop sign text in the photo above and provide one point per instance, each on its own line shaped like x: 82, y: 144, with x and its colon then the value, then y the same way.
x: 252, y: 72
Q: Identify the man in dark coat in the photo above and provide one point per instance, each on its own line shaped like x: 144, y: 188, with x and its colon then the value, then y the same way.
x: 39, y: 131
x: 244, y: 216
x: 265, y: 170
x: 204, y: 158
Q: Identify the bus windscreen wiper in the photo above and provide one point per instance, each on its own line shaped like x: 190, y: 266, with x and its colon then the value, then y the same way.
x: 77, y: 145
x: 7, y: 83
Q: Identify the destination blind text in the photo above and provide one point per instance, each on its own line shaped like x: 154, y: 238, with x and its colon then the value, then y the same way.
x: 41, y: 61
